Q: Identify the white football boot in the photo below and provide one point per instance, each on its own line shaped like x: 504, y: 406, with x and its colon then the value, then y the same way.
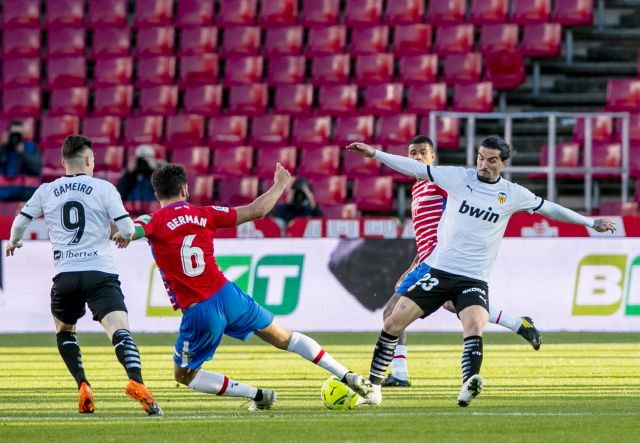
x: 373, y: 398
x: 269, y: 397
x: 470, y: 390
x: 358, y: 383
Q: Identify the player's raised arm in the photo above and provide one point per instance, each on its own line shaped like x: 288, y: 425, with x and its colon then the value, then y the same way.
x: 31, y: 210
x: 399, y: 163
x: 262, y: 205
x: 560, y: 213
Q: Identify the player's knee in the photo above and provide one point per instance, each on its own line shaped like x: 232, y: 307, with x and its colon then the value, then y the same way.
x: 392, y: 326
x: 388, y: 308
x: 474, y: 327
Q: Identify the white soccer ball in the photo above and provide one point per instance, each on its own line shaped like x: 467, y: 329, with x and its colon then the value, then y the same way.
x: 337, y: 396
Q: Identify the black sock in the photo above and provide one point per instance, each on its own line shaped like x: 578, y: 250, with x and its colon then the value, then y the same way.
x: 382, y: 356
x: 127, y: 353
x: 471, y: 357
x: 259, y: 395
x: 70, y: 352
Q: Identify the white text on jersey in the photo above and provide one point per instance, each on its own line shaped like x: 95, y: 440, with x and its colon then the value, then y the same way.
x: 75, y: 186
x: 181, y: 220
x: 478, y: 213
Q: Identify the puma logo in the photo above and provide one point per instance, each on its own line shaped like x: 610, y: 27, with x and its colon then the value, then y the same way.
x: 470, y: 188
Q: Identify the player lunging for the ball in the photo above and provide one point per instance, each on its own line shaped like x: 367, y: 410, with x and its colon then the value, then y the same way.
x: 428, y: 202
x: 181, y: 238
x: 480, y: 204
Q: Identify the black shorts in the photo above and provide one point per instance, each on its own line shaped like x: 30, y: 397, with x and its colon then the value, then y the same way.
x: 437, y: 287
x: 72, y: 290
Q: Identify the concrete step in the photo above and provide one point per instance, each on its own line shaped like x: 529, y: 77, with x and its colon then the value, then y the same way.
x: 621, y: 36
x: 586, y: 68
x: 580, y: 84
x: 549, y: 101
x: 614, y: 53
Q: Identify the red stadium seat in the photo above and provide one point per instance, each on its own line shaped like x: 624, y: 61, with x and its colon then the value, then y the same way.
x: 634, y: 129
x: 51, y: 164
x: 567, y: 156
x: 203, y: 100
x: 63, y: 72
x: 194, y: 13
x: 447, y: 132
x: 374, y: 68
x: 320, y: 13
x: 454, y: 39
x: 369, y: 40
x: 111, y: 13
x: 338, y: 99
x: 363, y: 12
x: 542, y: 40
x: 113, y: 71
x: 65, y: 42
x: 396, y: 129
x: 195, y: 159
x: 284, y: 41
x: 462, y: 68
x: 248, y: 99
x: 53, y: 130
x: 373, y: 193
x: 270, y: 129
x: 111, y: 42
x: 320, y: 161
x: 268, y: 157
x: 198, y: 40
x: 21, y: 102
x: 505, y: 69
x: 402, y: 12
x: 242, y: 40
x: 113, y: 100
x: 243, y: 70
x: 573, y: 12
x: 425, y: 98
x: 356, y: 128
x: 21, y: 42
x: 486, y: 12
x: 619, y: 208
x: 278, y: 13
x: 606, y: 155
x: 185, y: 130
x: 232, y: 161
x: 237, y: 191
x: 473, y: 97
x: 447, y: 12
x: 418, y: 69
x: 200, y: 189
x: 623, y: 95
x: 155, y: 40
x: 102, y: 130
x: 498, y: 37
x: 21, y: 13
x: 28, y: 125
x: 330, y: 69
x: 153, y: 13
x: 156, y: 71
x: 228, y: 130
x: 326, y: 41
x: 198, y: 69
x: 634, y: 166
x: 143, y: 129
x: 73, y: 101
x: 601, y: 130
x: 294, y: 99
x: 524, y: 12
x: 108, y: 158
x: 311, y: 130
x: 159, y: 100
x: 346, y: 211
x: 354, y: 166
x: 412, y: 39
x: 21, y: 72
x: 330, y: 190
x: 286, y: 69
x: 383, y: 99
x: 237, y: 13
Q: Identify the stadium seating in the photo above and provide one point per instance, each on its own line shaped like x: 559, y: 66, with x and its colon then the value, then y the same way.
x: 21, y: 72
x: 184, y: 130
x: 284, y: 41
x: 601, y: 130
x: 320, y: 161
x: 237, y: 191
x: 203, y: 100
x: 200, y: 69
x: 606, y: 155
x: 447, y: 12
x: 348, y: 210
x: 20, y: 13
x: 241, y: 40
x: 320, y: 13
x: 111, y: 13
x: 326, y: 40
x: 113, y: 71
x: 270, y: 129
x: 447, y: 131
x: 194, y: 13
x: 454, y: 39
x: 373, y: 193
x: 355, y: 166
x: 338, y: 99
x: 462, y: 68
x: 351, y: 129
x: 21, y: 42
x: 498, y: 37
x: 542, y: 40
x: 73, y: 101
x: 425, y: 98
x: 143, y: 129
x: 111, y: 42
x: 108, y: 158
x: 369, y: 40
x: 623, y: 95
x: 524, y: 12
x: 573, y: 12
x: 330, y: 190
x: 401, y: 12
x: 248, y: 99
x: 196, y: 159
x: 268, y: 157
x: 412, y: 39
x: 485, y: 12
x: 237, y: 13
x: 28, y: 125
x: 243, y: 70
x: 286, y: 69
x: 473, y: 97
x: 374, y: 68
x: 199, y: 40
x: 53, y: 130
x: 200, y: 189
x: 68, y: 71
x: 634, y: 165
x: 567, y: 156
x: 294, y: 99
x: 383, y: 99
x: 65, y: 42
x: 158, y: 100
x: 279, y: 13
x: 311, y: 130
x: 395, y: 129
x: 153, y: 13
x: 232, y: 161
x: 228, y: 130
x: 418, y: 69
x: 113, y: 100
x: 363, y: 12
x: 21, y: 102
x: 505, y: 69
x: 64, y: 13
x: 634, y: 129
x: 102, y: 131
x: 330, y: 69
x: 159, y: 70
x: 156, y: 40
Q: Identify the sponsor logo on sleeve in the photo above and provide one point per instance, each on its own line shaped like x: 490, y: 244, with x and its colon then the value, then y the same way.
x: 221, y: 208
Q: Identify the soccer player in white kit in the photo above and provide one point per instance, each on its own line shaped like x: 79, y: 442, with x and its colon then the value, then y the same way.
x: 78, y: 210
x: 427, y: 204
x: 480, y: 203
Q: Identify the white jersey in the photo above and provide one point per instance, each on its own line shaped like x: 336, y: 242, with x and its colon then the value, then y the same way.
x: 77, y: 211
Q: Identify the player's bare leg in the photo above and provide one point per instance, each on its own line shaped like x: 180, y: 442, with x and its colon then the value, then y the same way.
x: 116, y: 326
x: 474, y: 318
x: 399, y: 371
x: 309, y: 349
x: 69, y: 350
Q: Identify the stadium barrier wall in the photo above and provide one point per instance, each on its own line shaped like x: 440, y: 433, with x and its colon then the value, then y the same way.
x: 579, y: 284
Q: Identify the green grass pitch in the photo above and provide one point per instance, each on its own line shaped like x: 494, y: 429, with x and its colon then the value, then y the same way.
x: 577, y: 388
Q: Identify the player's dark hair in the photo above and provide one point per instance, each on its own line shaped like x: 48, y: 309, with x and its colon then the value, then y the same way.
x: 168, y: 180
x: 74, y: 144
x: 496, y: 142
x: 421, y: 139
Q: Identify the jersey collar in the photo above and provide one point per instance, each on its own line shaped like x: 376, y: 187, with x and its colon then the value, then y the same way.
x: 75, y: 175
x: 181, y: 202
x: 482, y: 180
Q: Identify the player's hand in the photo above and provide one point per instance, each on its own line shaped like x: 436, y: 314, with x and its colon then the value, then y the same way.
x: 11, y: 247
x: 120, y: 241
x: 362, y: 149
x: 603, y: 224
x: 281, y: 176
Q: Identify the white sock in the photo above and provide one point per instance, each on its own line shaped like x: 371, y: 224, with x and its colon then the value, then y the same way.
x: 399, y: 368
x: 215, y: 383
x: 308, y: 348
x: 499, y: 317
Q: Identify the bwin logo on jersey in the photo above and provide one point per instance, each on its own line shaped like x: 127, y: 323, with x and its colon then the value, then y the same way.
x: 478, y: 213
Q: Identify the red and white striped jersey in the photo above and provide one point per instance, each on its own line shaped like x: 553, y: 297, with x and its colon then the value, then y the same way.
x: 427, y: 204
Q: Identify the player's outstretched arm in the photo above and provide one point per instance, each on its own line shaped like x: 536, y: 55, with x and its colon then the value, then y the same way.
x: 18, y: 227
x: 262, y: 205
x: 560, y: 213
x: 404, y: 165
